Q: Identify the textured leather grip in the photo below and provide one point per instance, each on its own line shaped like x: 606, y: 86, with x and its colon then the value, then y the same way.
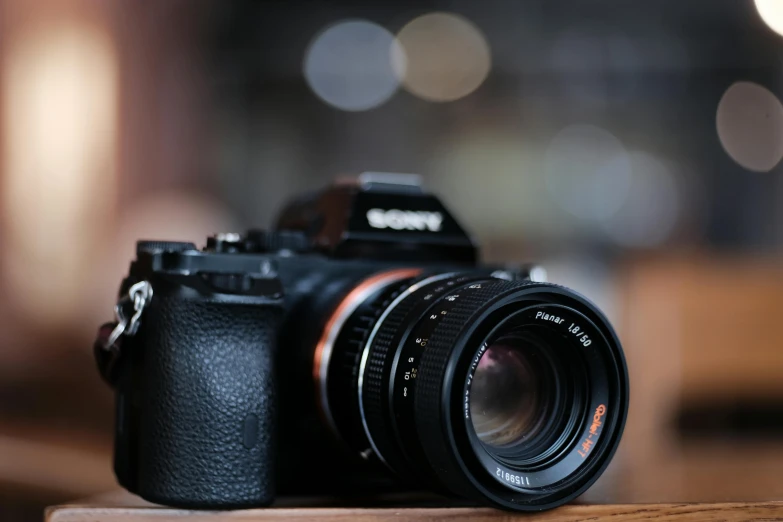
x: 205, y: 381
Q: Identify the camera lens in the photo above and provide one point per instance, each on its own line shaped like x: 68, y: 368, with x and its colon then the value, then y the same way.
x: 512, y: 394
x: 526, y: 395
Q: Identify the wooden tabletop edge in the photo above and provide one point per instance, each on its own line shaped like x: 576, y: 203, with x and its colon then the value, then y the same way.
x: 694, y: 511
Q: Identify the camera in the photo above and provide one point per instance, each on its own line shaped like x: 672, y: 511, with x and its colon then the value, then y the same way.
x: 358, y: 347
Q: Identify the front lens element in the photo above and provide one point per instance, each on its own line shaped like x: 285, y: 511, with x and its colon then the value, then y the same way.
x: 510, y: 397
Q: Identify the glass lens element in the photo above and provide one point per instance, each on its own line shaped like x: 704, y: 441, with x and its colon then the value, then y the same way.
x: 508, y: 396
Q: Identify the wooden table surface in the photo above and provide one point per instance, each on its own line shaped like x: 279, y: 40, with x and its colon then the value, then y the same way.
x: 123, y: 507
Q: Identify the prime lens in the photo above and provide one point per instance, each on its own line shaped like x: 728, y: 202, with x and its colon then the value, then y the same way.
x: 512, y: 394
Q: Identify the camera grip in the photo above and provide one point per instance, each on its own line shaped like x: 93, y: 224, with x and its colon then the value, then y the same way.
x: 207, y: 403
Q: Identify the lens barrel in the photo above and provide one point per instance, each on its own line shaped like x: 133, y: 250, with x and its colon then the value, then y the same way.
x: 512, y: 394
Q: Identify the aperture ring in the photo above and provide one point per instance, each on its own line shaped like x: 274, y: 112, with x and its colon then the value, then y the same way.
x: 339, y: 348
x: 380, y: 369
x: 372, y: 363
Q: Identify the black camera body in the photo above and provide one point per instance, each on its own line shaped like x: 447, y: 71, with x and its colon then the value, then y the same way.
x: 348, y: 342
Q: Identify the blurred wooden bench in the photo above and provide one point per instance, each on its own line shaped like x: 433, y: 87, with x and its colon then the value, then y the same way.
x: 123, y: 507
x: 706, y: 330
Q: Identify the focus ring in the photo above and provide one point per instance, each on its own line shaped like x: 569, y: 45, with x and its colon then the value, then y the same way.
x: 376, y: 413
x: 341, y: 387
x: 429, y: 407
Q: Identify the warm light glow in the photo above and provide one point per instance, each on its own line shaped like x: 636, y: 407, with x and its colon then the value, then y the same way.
x: 351, y: 65
x: 750, y: 126
x: 588, y: 172
x: 59, y: 125
x: 771, y: 11
x: 447, y: 57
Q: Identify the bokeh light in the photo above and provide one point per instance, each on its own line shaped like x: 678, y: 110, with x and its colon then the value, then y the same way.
x: 750, y: 126
x: 652, y: 206
x: 588, y: 172
x: 771, y: 11
x: 447, y: 57
x: 354, y: 65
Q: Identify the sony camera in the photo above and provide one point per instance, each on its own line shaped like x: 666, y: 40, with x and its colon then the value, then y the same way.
x: 357, y: 348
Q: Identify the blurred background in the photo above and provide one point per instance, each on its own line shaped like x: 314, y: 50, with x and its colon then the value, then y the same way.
x: 633, y: 148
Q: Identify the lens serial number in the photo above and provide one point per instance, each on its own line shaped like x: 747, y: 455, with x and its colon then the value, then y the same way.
x: 517, y: 480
